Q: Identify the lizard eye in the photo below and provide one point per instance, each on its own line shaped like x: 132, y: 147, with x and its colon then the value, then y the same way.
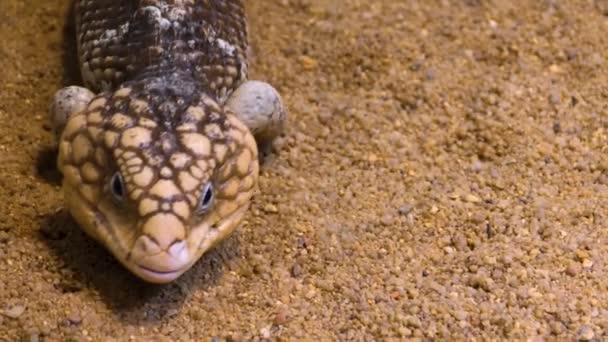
x: 206, y: 199
x: 117, y: 186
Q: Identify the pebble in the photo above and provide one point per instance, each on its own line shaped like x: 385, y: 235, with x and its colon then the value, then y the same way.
x: 406, y: 209
x: 296, y: 270
x: 405, y: 332
x: 555, y: 69
x: 581, y: 255
x: 413, y: 322
x: 32, y: 336
x: 571, y: 53
x: 472, y: 198
x: 602, y: 6
x: 281, y: 317
x: 585, y: 333
x: 596, y: 59
x: 308, y: 63
x: 481, y: 282
x: 14, y: 312
x: 270, y: 208
x: 74, y: 318
x: 573, y: 269
x: 554, y: 97
x: 557, y: 127
x: 4, y: 237
x: 324, y: 117
x: 587, y: 263
x: 387, y: 220
x: 265, y: 332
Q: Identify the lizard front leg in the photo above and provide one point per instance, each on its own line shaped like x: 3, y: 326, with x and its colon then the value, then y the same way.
x: 67, y: 102
x: 259, y: 106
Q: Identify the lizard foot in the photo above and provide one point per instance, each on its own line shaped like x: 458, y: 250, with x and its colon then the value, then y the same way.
x: 66, y: 102
x: 258, y: 105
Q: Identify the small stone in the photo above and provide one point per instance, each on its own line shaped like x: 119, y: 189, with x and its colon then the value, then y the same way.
x: 32, y: 336
x: 554, y: 97
x: 270, y: 208
x: 472, y: 198
x: 490, y: 231
x: 296, y: 270
x: 281, y: 317
x: 412, y: 322
x: 14, y: 312
x: 265, y: 332
x: 4, y: 237
x: 581, y: 255
x: 310, y: 294
x: 596, y: 59
x: 74, y: 318
x: 602, y: 6
x: 587, y: 263
x: 557, y: 127
x: 481, y: 282
x: 387, y: 220
x: 308, y: 63
x: 405, y: 332
x: 278, y: 144
x: 197, y: 314
x: 573, y: 269
x: 302, y: 242
x: 406, y: 209
x: 571, y: 53
x: 555, y: 69
x: 585, y: 333
x: 477, y: 166
x: 460, y: 315
x: 324, y: 117
x: 325, y: 285
x: 557, y: 328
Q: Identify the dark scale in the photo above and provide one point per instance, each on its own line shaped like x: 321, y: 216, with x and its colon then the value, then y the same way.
x: 192, y: 45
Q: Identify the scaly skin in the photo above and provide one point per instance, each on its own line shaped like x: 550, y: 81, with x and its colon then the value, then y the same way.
x: 157, y: 167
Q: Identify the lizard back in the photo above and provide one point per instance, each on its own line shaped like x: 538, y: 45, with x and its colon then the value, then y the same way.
x: 201, y: 41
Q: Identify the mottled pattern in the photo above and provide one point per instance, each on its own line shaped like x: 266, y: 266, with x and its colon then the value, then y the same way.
x: 139, y: 160
x: 121, y: 40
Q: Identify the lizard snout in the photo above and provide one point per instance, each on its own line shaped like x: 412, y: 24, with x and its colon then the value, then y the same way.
x: 161, y: 253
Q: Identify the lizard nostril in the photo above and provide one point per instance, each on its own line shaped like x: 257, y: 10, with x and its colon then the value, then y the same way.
x: 178, y: 250
x: 148, y: 245
x: 176, y: 242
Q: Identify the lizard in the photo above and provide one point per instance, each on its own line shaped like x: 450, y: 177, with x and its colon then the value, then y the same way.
x: 159, y: 149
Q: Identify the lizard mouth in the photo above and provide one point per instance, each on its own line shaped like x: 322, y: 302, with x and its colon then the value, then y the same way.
x: 209, y: 235
x: 159, y: 276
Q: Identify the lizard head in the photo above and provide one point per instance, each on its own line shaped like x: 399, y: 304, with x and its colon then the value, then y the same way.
x: 156, y: 179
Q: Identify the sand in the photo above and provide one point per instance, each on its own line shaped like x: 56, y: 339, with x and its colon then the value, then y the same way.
x: 443, y: 175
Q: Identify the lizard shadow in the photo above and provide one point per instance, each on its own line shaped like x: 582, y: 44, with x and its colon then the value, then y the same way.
x: 86, y: 266
x: 46, y: 159
x: 69, y: 47
x: 46, y: 165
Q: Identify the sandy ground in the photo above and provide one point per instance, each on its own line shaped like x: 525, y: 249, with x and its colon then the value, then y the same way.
x: 444, y: 174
